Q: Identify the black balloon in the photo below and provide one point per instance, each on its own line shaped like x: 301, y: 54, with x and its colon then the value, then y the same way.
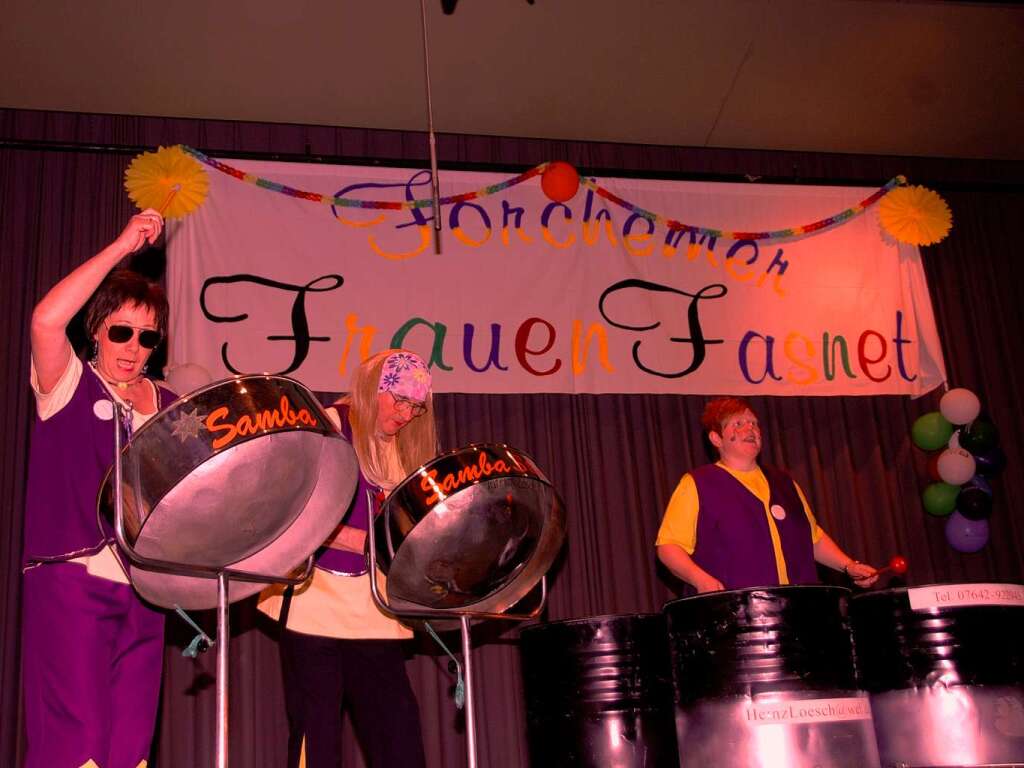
x: 974, y: 504
x: 978, y: 437
x: 990, y: 463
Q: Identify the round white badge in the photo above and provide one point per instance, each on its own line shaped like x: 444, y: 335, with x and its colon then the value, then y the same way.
x: 778, y: 512
x: 104, y: 410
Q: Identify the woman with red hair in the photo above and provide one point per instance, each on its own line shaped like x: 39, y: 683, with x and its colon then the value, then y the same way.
x: 737, y: 524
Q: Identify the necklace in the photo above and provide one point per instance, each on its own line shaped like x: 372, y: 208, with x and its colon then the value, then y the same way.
x: 123, y: 385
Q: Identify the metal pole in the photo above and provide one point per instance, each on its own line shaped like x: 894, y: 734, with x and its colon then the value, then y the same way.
x: 435, y: 189
x: 223, y: 641
x: 467, y: 664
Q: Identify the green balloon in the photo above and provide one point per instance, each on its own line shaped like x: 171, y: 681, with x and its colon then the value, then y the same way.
x: 940, y: 498
x: 931, y: 431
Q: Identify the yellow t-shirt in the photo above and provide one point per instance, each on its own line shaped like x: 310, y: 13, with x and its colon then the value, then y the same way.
x: 679, y: 525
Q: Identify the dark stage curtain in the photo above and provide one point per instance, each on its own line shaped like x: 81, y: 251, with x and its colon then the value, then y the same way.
x: 614, y: 458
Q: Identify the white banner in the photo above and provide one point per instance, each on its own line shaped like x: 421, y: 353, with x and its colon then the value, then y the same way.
x: 529, y: 295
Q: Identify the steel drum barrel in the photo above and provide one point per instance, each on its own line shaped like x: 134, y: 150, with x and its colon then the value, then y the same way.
x: 599, y: 693
x: 765, y: 678
x: 944, y: 666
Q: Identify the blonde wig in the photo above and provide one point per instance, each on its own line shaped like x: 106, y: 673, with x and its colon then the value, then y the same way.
x: 415, y: 443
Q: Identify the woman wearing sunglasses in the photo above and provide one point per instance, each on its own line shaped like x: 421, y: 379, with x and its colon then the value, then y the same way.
x: 92, y: 651
x: 337, y: 649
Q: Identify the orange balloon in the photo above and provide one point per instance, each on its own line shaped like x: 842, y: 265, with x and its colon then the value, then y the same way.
x: 560, y: 181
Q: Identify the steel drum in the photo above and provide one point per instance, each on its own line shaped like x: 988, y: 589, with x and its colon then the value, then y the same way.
x: 247, y: 473
x: 599, y: 693
x: 944, y: 665
x: 473, y: 529
x: 765, y: 678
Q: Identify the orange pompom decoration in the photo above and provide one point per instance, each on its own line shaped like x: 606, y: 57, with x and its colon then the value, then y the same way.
x: 560, y: 181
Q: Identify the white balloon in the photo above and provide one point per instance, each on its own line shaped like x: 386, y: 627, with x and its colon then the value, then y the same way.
x: 187, y: 377
x: 960, y: 406
x: 955, y: 466
x: 954, y: 441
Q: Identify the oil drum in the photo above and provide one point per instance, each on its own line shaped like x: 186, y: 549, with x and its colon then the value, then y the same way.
x: 765, y: 678
x: 944, y: 665
x: 599, y: 693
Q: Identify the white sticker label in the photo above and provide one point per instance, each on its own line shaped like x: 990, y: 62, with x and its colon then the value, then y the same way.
x: 103, y: 410
x: 961, y: 595
x: 809, y: 711
x: 778, y: 512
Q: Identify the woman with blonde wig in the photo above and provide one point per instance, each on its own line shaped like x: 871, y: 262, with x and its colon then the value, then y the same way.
x: 337, y: 649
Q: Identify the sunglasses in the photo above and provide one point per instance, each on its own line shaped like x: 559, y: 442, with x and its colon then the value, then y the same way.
x: 412, y: 407
x: 120, y: 334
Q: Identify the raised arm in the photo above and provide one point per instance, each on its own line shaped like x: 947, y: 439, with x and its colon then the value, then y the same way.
x: 51, y: 349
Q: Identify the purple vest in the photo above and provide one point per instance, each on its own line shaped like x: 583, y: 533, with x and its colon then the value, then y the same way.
x: 357, y: 516
x: 733, y: 539
x: 69, y: 455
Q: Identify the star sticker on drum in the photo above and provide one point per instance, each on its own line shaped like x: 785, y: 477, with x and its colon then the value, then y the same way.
x: 188, y: 425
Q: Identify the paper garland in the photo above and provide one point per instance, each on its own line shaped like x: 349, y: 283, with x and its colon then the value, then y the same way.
x: 590, y: 183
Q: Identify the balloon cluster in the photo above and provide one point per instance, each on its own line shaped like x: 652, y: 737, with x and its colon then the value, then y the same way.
x: 966, y: 456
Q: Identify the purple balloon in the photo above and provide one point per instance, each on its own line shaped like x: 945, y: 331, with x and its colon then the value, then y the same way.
x: 966, y: 535
x: 990, y: 463
x: 979, y: 482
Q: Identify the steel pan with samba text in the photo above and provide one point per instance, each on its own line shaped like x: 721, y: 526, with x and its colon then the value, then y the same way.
x: 247, y: 473
x: 944, y: 665
x: 765, y: 678
x: 475, y: 529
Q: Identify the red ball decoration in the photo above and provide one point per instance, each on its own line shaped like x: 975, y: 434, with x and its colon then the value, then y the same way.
x: 559, y: 181
x: 898, y: 565
x: 933, y: 467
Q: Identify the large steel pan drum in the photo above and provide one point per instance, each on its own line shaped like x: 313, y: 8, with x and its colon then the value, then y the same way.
x: 247, y: 473
x: 944, y: 665
x: 765, y: 678
x: 474, y: 528
x: 599, y: 693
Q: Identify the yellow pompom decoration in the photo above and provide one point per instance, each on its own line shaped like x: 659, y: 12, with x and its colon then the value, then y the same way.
x: 915, y: 215
x: 169, y: 180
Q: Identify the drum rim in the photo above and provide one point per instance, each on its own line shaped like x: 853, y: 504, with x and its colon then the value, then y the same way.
x: 539, y: 475
x: 188, y: 396
x: 778, y: 587
x: 589, y: 619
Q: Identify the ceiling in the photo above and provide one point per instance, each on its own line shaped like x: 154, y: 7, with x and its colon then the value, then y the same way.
x: 940, y: 79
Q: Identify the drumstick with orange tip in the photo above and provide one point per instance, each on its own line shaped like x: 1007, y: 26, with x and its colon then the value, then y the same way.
x: 175, y: 189
x: 897, y: 566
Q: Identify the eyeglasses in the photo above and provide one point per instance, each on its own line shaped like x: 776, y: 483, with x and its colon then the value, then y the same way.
x: 411, y: 407
x: 121, y: 334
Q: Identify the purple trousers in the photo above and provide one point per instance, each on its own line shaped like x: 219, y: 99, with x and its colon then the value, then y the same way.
x: 322, y: 675
x: 92, y: 655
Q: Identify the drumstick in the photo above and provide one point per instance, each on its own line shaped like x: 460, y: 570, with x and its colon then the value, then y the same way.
x: 897, y: 565
x: 175, y: 189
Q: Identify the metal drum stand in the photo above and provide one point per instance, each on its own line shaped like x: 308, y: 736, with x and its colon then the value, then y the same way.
x: 223, y: 577
x: 464, y: 615
x: 469, y: 535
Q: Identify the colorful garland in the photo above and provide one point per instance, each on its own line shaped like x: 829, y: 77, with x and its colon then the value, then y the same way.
x: 346, y: 202
x: 778, y: 234
x: 592, y: 184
